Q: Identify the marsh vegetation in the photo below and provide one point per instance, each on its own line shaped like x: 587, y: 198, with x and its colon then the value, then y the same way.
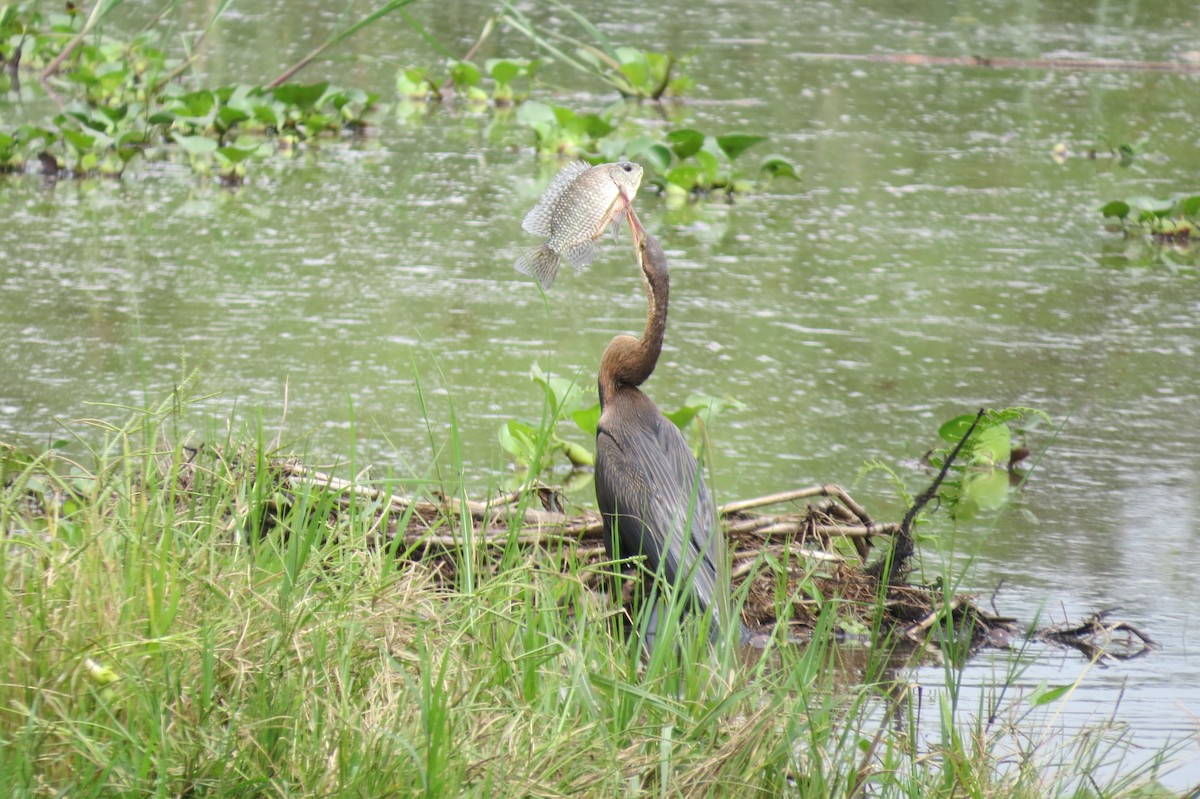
x: 288, y: 589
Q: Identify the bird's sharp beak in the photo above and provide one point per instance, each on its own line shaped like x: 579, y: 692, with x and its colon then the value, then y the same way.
x: 635, y: 227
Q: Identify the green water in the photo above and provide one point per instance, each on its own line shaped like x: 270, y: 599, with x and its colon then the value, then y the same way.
x: 935, y: 258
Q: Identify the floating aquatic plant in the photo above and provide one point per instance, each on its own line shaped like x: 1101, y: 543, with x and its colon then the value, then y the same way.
x: 1171, y: 220
x: 982, y: 477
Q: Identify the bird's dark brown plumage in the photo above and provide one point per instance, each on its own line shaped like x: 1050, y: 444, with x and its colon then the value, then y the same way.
x: 653, y: 498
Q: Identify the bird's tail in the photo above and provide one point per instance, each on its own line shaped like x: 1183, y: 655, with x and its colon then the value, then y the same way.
x: 540, y: 262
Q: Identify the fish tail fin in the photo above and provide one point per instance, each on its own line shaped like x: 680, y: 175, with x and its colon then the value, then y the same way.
x: 540, y: 262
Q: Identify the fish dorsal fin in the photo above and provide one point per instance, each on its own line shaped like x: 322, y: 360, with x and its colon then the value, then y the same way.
x: 537, y: 221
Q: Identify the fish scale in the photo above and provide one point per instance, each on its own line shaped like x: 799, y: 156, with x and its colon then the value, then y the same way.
x: 580, y: 203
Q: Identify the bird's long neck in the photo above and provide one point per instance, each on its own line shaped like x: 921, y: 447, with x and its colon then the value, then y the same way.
x: 628, y: 361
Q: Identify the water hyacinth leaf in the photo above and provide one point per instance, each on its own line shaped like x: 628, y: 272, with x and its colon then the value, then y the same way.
x: 778, y: 167
x: 658, y: 155
x: 708, y: 162
x: 196, y: 145
x: 1116, y: 208
x: 268, y: 115
x: 83, y: 75
x: 197, y: 105
x: 235, y: 155
x: 636, y: 73
x: 229, y: 116
x: 80, y: 141
x: 534, y: 114
x: 629, y: 55
x: 984, y: 491
x: 596, y: 126
x: 117, y: 113
x: 1190, y: 206
x: 1151, y: 205
x: 300, y: 95
x: 577, y: 454
x: 412, y: 83
x: 519, y: 440
x: 658, y: 63
x: 315, y: 124
x: 588, y: 419
x: 613, y: 148
x: 682, y: 417
x: 954, y: 429
x: 994, y: 443
x: 563, y: 116
x: 734, y: 144
x: 502, y: 70
x: 686, y: 176
x: 464, y: 73
x: 685, y: 142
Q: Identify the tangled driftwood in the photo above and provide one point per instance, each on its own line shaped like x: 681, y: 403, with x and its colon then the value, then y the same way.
x: 791, y: 551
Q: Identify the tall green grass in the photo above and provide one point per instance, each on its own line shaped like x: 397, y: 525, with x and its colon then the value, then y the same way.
x: 172, y: 623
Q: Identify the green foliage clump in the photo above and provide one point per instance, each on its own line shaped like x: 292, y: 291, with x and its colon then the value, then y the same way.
x: 1173, y: 220
x: 126, y: 98
x: 982, y: 475
x: 533, y: 447
x: 682, y: 163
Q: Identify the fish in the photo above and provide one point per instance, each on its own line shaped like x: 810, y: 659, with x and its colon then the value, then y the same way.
x: 577, y: 207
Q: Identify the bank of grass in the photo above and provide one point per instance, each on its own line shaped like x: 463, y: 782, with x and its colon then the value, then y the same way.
x: 170, y: 629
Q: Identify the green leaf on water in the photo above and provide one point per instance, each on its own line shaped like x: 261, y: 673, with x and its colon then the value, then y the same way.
x: 197, y: 104
x: 577, y: 454
x: 778, y: 167
x: 636, y: 73
x: 1152, y: 205
x: 535, y: 114
x: 1116, y: 208
x: 685, y: 176
x: 685, y: 142
x: 588, y: 419
x: 519, y: 441
x: 708, y: 162
x: 80, y: 141
x: 983, y: 491
x: 235, y: 155
x: 596, y: 126
x: 196, y: 145
x: 464, y: 74
x: 682, y: 417
x: 228, y: 117
x: 268, y: 115
x: 660, y: 156
x: 503, y: 71
x: 303, y: 96
x: 734, y: 144
x: 1190, y: 206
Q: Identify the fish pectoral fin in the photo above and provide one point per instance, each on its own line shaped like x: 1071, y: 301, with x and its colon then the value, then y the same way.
x: 615, y: 227
x: 581, y: 254
x: 540, y: 262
